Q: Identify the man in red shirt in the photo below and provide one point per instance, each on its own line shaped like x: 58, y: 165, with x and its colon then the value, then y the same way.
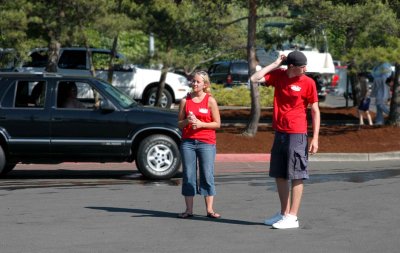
x: 294, y: 92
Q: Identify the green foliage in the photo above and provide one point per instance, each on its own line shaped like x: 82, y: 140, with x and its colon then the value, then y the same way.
x: 14, y: 25
x: 190, y: 33
x: 367, y: 58
x: 134, y: 45
x: 240, y: 95
x: 348, y: 24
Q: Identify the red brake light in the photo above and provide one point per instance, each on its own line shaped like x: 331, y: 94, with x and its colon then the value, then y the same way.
x: 335, y: 80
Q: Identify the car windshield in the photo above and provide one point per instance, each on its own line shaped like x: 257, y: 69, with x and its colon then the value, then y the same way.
x: 120, y: 97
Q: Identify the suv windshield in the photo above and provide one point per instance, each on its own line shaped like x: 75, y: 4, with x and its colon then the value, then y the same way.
x: 120, y: 97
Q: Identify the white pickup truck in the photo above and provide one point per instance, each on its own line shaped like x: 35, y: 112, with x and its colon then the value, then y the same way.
x: 140, y: 83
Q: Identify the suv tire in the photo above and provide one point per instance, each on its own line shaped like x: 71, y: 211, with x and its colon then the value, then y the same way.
x: 4, y: 166
x: 166, y: 98
x: 158, y: 157
x: 2, y: 160
x: 9, y: 167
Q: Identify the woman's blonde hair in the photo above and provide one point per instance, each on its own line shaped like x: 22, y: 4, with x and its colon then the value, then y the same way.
x: 206, y: 79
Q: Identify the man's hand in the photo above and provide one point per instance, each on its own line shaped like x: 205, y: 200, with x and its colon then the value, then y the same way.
x: 313, y: 146
x: 281, y: 58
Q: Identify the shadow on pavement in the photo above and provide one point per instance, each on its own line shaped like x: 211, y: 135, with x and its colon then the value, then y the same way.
x: 162, y: 214
x: 67, y: 174
x: 355, y: 177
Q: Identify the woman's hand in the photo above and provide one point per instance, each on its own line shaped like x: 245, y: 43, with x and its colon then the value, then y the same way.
x: 193, y: 120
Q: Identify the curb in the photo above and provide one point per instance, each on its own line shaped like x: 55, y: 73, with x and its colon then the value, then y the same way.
x: 319, y: 157
x: 243, y: 158
x: 356, y: 156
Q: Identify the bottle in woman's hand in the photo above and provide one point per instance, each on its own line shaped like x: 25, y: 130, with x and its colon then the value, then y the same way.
x: 192, y: 118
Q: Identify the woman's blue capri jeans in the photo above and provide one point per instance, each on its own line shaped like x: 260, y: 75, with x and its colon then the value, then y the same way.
x: 196, y: 153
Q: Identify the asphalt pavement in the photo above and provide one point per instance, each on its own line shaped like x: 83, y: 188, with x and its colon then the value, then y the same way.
x: 82, y: 208
x: 350, y: 204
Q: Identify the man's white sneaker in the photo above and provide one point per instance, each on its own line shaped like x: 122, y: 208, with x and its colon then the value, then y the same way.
x: 278, y: 216
x: 288, y: 221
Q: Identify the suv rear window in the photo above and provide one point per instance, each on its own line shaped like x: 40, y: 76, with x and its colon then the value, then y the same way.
x: 72, y: 59
x: 221, y: 68
x: 38, y: 60
x: 239, y: 68
x: 26, y: 94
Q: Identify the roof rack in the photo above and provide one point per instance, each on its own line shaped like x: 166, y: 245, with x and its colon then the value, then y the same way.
x: 51, y: 74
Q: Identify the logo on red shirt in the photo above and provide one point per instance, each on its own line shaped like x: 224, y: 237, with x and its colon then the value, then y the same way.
x: 295, y: 88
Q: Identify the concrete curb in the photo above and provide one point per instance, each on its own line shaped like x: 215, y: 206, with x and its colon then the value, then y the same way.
x: 243, y: 158
x: 325, y: 157
x: 320, y: 157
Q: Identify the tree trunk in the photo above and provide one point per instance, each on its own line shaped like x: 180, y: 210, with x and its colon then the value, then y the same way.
x: 112, y: 57
x: 355, y: 84
x: 90, y: 58
x: 113, y: 50
x: 54, y: 55
x: 355, y: 88
x: 394, y: 114
x: 54, y: 44
x: 163, y: 77
x: 252, y: 125
x: 161, y: 85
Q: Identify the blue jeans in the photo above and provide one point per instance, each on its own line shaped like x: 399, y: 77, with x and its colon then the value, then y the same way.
x: 380, y: 110
x: 202, y: 154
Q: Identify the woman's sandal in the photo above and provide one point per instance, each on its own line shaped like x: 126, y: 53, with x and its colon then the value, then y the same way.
x: 213, y: 215
x: 185, y: 215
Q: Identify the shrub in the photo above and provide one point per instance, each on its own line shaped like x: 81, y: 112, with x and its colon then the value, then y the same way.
x: 240, y: 95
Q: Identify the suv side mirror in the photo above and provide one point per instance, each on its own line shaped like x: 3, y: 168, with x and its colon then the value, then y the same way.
x: 106, y: 106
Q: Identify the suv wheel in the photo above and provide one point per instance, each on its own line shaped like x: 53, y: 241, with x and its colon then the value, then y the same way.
x: 158, y: 157
x: 166, y: 98
x: 4, y: 166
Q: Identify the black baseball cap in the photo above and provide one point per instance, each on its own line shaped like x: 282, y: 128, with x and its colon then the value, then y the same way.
x: 296, y: 58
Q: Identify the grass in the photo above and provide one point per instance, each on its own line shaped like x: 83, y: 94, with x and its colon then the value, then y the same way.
x: 240, y: 95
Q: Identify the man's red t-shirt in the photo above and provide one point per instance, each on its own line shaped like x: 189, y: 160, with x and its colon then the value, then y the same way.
x: 291, y: 98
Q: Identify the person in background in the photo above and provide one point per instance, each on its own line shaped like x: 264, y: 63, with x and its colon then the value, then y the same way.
x: 198, y: 118
x: 293, y: 93
x: 365, y: 100
x: 380, y: 91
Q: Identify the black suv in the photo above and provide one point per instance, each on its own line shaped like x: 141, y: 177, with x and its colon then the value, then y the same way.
x: 229, y: 73
x: 102, y: 125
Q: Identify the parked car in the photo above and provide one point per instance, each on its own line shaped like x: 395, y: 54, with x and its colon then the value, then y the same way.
x: 35, y: 127
x: 229, y: 73
x: 140, y: 83
x: 321, y: 86
x: 339, y: 82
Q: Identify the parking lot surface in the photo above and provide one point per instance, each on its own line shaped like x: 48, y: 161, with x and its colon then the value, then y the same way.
x: 347, y: 207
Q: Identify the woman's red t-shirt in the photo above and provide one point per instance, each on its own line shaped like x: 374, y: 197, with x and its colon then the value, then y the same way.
x: 202, y: 112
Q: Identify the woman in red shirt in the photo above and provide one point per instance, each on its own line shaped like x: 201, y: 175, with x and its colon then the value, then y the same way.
x: 198, y: 118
